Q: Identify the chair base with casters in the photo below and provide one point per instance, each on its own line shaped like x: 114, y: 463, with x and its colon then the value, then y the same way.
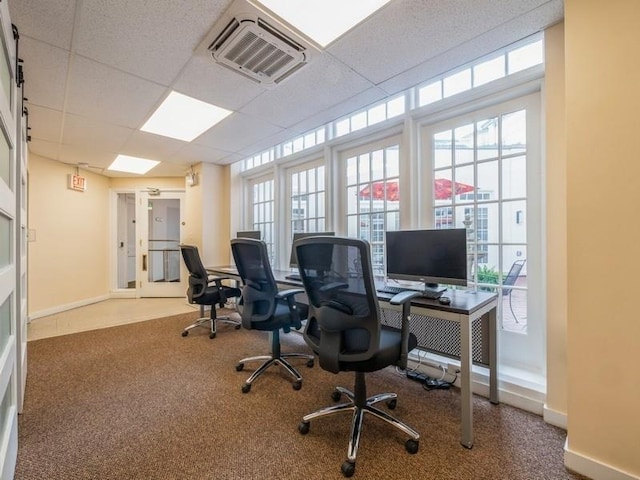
x: 359, y: 404
x: 210, y: 322
x: 276, y: 358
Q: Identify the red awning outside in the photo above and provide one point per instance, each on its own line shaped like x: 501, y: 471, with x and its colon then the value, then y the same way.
x: 443, y: 188
x: 381, y: 191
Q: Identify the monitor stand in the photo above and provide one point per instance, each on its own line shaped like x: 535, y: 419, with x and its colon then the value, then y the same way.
x: 433, y: 290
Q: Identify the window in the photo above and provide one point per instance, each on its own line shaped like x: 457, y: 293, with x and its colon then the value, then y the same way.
x: 263, y: 205
x: 307, y: 205
x: 480, y: 183
x: 373, y: 198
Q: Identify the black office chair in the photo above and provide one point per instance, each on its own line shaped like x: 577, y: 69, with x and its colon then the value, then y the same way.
x: 205, y: 289
x: 265, y: 308
x: 509, y: 280
x: 344, y: 330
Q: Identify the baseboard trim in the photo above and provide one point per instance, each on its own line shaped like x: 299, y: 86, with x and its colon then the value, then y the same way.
x: 592, y: 468
x: 68, y: 306
x: 553, y: 417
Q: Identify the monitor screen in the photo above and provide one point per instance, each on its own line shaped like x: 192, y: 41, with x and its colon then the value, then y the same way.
x: 429, y: 256
x: 249, y: 234
x: 293, y: 260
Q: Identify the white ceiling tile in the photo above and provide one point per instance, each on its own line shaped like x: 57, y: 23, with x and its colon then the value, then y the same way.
x: 150, y: 145
x: 90, y: 133
x: 44, y: 148
x: 45, y: 73
x: 49, y: 21
x: 153, y: 40
x: 100, y: 92
x: 193, y: 154
x: 45, y: 123
x: 322, y: 83
x: 74, y: 155
x: 236, y: 132
x: 210, y: 82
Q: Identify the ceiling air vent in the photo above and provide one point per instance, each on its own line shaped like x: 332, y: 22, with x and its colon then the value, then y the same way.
x: 257, y: 50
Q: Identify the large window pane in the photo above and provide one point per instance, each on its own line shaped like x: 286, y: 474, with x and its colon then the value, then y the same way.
x: 375, y: 199
x: 514, y: 177
x: 464, y: 144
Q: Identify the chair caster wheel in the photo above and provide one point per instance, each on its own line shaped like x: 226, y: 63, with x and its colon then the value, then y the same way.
x: 239, y: 367
x: 348, y: 468
x: 412, y: 446
x: 246, y: 388
x: 391, y: 404
x: 185, y: 333
x: 297, y: 385
x: 303, y: 427
x: 237, y: 327
x: 212, y: 335
x: 335, y: 395
x: 310, y: 363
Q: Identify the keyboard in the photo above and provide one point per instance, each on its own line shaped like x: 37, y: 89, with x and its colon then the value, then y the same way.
x: 426, y: 293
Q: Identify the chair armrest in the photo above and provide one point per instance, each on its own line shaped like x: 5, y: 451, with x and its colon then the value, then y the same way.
x: 282, y: 294
x: 404, y: 299
x: 289, y: 296
x: 217, y: 281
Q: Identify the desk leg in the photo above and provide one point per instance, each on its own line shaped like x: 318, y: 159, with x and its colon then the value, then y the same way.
x: 465, y: 382
x: 493, y: 357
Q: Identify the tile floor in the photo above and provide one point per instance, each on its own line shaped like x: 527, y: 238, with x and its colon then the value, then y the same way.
x: 116, y: 311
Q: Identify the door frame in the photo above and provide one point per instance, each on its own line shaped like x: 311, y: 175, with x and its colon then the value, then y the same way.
x: 141, y: 196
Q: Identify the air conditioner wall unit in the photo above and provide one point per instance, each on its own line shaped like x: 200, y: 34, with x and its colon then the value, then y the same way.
x: 255, y: 48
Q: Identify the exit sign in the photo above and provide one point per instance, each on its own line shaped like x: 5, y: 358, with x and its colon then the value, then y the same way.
x: 76, y: 182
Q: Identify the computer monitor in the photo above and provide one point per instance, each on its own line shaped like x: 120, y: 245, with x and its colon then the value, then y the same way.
x: 429, y: 256
x: 249, y: 234
x: 293, y: 260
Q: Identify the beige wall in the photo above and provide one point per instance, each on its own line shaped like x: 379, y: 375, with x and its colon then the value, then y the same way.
x: 68, y: 261
x: 603, y: 230
x: 208, y: 214
x: 556, y: 212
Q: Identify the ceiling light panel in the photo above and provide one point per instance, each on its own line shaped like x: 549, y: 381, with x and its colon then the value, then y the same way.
x: 128, y: 164
x: 183, y: 117
x: 323, y: 20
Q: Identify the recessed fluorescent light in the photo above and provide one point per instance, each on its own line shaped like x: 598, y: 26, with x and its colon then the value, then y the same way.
x: 323, y: 20
x: 125, y: 163
x: 183, y: 117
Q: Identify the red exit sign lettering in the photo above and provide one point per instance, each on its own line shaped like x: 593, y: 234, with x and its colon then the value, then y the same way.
x: 78, y: 183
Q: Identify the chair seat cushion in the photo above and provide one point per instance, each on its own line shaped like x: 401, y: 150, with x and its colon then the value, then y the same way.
x: 281, y: 318
x: 387, y: 354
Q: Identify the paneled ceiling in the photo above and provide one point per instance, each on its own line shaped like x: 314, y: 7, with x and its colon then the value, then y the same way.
x: 96, y: 70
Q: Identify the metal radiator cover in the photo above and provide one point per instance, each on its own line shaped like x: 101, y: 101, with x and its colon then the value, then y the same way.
x: 443, y: 336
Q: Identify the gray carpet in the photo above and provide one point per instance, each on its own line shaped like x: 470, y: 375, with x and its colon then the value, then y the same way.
x: 141, y: 402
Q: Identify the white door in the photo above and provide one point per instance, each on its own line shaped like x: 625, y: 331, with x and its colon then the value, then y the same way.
x: 12, y: 204
x: 159, y: 227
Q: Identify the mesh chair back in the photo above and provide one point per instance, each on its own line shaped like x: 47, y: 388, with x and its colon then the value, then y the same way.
x: 259, y: 286
x: 343, y: 308
x: 197, y: 273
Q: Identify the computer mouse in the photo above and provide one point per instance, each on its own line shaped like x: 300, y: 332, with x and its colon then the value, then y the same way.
x: 445, y: 300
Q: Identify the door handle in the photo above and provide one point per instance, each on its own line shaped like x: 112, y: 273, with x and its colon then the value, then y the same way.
x: 144, y: 263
